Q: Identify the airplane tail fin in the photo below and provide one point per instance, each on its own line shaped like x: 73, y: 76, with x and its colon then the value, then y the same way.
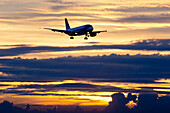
x: 67, y: 24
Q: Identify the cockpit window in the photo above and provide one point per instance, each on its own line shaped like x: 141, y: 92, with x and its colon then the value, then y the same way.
x: 89, y: 25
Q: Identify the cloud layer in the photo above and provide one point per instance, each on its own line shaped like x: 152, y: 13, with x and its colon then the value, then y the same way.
x: 151, y: 44
x: 112, y: 66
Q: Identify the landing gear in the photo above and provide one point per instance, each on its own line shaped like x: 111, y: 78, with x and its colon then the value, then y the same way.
x: 85, y: 38
x: 71, y: 37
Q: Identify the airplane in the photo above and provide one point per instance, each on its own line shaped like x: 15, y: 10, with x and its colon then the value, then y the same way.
x: 86, y: 30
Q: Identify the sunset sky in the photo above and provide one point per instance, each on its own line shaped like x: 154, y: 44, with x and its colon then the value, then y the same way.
x: 41, y: 67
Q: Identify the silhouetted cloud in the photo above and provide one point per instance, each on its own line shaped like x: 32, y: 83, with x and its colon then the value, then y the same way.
x: 147, y: 103
x: 65, y: 86
x: 42, y: 89
x: 155, y: 87
x: 3, y: 85
x: 112, y: 66
x: 92, y: 42
x: 129, y: 80
x: 151, y: 44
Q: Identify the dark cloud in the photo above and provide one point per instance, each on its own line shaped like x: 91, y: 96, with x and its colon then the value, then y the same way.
x: 154, y: 87
x: 3, y: 85
x: 92, y: 42
x: 76, y: 85
x: 42, y: 89
x: 16, y: 92
x: 127, y: 80
x: 65, y: 85
x: 59, y: 7
x: 59, y: 1
x: 112, y: 66
x: 152, y: 44
x: 146, y: 103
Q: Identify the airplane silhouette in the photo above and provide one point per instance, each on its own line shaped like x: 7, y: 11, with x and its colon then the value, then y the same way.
x: 86, y: 30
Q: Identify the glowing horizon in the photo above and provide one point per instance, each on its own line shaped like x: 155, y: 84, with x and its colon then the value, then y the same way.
x: 41, y: 67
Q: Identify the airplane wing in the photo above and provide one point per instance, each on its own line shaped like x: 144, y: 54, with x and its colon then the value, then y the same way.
x: 98, y: 31
x: 57, y: 30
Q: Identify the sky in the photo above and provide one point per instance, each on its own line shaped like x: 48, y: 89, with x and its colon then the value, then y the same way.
x: 41, y: 67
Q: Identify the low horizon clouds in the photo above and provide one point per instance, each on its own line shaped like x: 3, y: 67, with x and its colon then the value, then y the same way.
x: 42, y: 90
x: 149, y: 44
x: 111, y: 66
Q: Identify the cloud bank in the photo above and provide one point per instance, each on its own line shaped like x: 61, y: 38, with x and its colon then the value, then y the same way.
x: 112, y: 66
x: 150, y: 44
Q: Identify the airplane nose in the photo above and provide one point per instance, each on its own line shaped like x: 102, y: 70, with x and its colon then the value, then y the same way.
x: 90, y: 28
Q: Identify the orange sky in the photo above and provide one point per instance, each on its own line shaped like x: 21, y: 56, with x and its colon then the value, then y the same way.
x: 72, y: 97
x: 22, y: 22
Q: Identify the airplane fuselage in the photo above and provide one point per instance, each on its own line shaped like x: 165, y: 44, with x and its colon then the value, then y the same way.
x: 81, y: 30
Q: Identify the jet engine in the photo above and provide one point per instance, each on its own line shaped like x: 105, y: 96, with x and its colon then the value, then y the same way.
x: 72, y: 33
x: 93, y: 34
